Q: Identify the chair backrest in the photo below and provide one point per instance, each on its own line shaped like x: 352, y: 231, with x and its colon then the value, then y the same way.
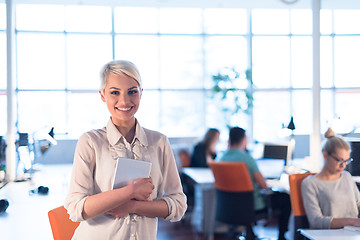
x: 231, y: 176
x: 234, y: 193
x: 297, y: 204
x: 61, y: 225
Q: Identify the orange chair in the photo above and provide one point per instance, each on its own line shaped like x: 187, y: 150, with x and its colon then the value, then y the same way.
x: 297, y: 204
x: 61, y: 225
x: 234, y: 195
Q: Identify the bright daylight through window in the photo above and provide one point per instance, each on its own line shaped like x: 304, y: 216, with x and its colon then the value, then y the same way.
x: 59, y: 56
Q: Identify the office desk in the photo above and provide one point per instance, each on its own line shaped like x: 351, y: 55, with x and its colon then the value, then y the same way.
x: 203, y: 215
x: 330, y: 234
x: 200, y: 175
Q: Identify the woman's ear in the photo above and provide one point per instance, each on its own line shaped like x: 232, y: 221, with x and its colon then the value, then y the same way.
x: 102, y: 96
x: 325, y: 155
x: 141, y: 92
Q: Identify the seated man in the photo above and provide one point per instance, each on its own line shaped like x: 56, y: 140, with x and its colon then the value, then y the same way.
x: 279, y: 201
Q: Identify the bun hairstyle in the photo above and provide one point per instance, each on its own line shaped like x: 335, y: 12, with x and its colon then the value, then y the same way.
x: 333, y: 142
x: 329, y: 133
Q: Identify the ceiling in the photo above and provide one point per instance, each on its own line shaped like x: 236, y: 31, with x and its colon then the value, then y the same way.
x: 302, y: 4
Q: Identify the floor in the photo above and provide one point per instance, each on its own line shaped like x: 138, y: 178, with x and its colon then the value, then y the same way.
x: 26, y: 216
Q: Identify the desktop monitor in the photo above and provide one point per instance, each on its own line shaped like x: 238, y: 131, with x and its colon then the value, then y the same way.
x: 354, y: 167
x: 2, y: 149
x: 275, y: 157
x: 277, y: 151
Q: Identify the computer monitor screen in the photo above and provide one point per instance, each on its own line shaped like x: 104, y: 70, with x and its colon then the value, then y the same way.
x: 354, y: 167
x: 276, y: 151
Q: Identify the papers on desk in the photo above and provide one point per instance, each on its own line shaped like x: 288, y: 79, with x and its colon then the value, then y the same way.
x: 352, y: 228
x: 330, y: 234
x: 128, y: 170
x: 281, y: 185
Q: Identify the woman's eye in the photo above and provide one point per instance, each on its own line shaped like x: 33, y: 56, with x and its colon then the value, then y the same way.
x: 131, y: 92
x: 114, y: 92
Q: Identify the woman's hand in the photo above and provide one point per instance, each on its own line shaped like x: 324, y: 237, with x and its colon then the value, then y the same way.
x: 341, y: 222
x: 356, y: 222
x: 142, y: 189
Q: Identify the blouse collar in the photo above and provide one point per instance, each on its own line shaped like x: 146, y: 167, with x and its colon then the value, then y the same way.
x: 114, y: 135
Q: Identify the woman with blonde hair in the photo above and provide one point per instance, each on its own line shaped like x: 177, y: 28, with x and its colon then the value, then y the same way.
x: 331, y: 197
x: 129, y: 212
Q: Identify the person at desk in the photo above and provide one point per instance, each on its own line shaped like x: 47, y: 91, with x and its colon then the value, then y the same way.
x: 205, y: 151
x: 331, y: 197
x: 279, y: 201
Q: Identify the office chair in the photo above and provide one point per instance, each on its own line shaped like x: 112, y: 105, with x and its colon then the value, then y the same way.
x: 234, y: 196
x: 61, y: 225
x: 297, y: 205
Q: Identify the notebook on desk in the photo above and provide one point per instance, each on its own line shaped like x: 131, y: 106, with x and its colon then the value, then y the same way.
x: 271, y: 168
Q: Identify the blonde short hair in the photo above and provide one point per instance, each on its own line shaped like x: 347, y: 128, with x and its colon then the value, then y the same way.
x: 119, y: 67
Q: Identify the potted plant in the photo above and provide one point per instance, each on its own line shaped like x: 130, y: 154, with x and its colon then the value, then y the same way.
x: 234, y: 90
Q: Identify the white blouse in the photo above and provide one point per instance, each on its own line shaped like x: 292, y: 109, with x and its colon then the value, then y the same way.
x: 93, y: 172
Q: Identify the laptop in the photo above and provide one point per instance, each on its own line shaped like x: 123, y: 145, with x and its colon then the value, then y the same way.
x: 271, y: 168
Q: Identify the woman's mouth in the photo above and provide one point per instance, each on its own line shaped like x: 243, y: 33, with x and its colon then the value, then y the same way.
x: 123, y: 109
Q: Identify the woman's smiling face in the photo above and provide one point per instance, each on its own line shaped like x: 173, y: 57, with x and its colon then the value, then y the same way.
x: 122, y: 95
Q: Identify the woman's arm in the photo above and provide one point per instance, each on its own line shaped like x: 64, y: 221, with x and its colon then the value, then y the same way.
x: 312, y: 207
x: 156, y: 208
x: 170, y: 203
x: 170, y: 189
x: 82, y: 203
x: 103, y: 202
x: 341, y: 222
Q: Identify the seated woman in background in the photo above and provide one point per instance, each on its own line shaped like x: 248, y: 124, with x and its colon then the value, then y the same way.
x: 205, y: 151
x: 331, y: 197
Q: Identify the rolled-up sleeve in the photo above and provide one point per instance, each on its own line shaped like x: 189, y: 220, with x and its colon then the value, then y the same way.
x: 171, y: 188
x: 81, y: 184
x: 312, y: 208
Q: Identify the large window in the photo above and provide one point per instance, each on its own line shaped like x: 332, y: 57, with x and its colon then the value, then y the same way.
x: 282, y: 67
x: 59, y: 56
x: 282, y: 71
x: 3, y: 114
x: 340, y: 79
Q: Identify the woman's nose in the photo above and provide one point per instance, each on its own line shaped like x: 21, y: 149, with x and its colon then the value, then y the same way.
x: 123, y: 98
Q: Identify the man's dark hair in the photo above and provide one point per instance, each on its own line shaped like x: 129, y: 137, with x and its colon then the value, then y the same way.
x: 236, y: 135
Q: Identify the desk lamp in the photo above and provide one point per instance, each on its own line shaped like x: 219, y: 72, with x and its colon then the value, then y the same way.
x: 291, y: 126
